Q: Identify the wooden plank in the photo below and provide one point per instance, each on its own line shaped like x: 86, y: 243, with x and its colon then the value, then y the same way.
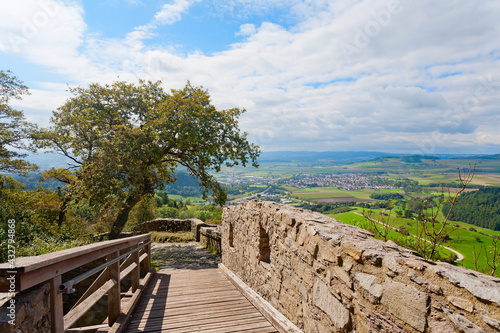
x: 127, y: 271
x: 114, y: 302
x: 188, y: 318
x: 136, y: 273
x: 121, y: 323
x: 196, y: 301
x: 87, y: 328
x: 235, y: 325
x: 56, y: 306
x: 199, y: 308
x: 146, y: 262
x: 99, y: 281
x: 71, y: 317
x: 279, y: 321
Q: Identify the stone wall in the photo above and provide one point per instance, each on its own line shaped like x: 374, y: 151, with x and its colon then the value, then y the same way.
x: 170, y: 225
x: 326, y: 276
x: 31, y: 311
x: 210, y: 238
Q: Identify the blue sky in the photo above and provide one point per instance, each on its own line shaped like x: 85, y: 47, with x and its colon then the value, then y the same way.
x: 384, y: 75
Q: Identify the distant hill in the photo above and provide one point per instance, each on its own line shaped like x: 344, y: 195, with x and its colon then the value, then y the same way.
x: 495, y: 157
x: 327, y: 157
x: 49, y: 160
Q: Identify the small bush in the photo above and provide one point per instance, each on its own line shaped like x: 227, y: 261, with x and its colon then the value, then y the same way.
x: 404, y: 231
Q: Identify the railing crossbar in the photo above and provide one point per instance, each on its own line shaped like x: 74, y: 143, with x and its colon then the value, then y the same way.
x: 68, y: 286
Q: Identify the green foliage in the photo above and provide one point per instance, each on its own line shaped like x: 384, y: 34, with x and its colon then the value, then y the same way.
x: 481, y: 208
x: 143, y: 211
x: 168, y: 212
x: 415, y: 206
x: 386, y: 196
x: 127, y: 141
x: 209, y: 214
x: 14, y: 130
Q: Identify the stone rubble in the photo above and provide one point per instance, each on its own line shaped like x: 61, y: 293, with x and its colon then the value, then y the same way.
x: 183, y: 256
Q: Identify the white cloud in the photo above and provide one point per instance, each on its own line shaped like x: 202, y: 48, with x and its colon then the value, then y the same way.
x: 246, y: 30
x: 427, y: 75
x: 171, y: 12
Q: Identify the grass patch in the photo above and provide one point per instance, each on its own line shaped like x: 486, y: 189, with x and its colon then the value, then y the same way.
x: 172, y: 237
x: 463, y: 240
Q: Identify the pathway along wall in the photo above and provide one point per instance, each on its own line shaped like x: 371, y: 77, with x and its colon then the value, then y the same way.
x: 326, y: 276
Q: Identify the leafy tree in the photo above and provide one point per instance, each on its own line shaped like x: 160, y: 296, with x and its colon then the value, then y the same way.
x: 480, y: 208
x: 168, y: 212
x: 144, y: 210
x: 14, y: 129
x: 126, y: 140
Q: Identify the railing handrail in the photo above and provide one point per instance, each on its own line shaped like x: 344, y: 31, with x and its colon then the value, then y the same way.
x: 124, y: 257
x: 69, y: 284
x: 27, y: 264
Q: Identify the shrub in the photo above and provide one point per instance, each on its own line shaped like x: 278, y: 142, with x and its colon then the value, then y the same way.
x: 168, y: 212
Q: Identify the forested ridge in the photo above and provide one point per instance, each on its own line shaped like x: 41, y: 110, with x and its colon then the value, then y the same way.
x: 481, y: 208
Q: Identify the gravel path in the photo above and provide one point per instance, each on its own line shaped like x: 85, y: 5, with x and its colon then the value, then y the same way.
x: 183, y: 256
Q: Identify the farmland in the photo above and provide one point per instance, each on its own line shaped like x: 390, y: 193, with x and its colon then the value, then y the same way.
x: 342, y: 190
x: 463, y: 239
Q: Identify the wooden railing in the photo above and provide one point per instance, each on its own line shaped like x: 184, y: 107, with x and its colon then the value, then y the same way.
x: 123, y: 257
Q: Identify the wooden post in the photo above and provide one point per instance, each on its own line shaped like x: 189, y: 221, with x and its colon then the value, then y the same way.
x: 56, y: 306
x: 136, y: 272
x: 114, y: 306
x: 146, y: 263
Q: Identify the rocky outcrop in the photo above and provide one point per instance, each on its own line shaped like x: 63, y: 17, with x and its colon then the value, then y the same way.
x: 326, y: 276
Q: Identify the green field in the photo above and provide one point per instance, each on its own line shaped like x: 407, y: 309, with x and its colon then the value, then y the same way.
x: 315, y: 193
x: 462, y: 240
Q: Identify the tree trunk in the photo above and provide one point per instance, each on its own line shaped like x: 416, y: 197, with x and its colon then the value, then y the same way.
x: 62, y: 212
x: 122, y: 217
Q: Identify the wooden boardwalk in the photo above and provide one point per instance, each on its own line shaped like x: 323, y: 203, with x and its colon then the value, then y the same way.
x: 203, y: 300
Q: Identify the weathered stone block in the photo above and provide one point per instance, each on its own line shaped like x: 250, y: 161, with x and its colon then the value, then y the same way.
x: 438, y: 324
x: 484, y: 289
x: 368, y: 286
x: 343, y: 276
x: 463, y: 324
x: 493, y: 323
x: 329, y: 255
x: 406, y: 302
x: 323, y: 299
x: 461, y: 303
x: 369, y: 321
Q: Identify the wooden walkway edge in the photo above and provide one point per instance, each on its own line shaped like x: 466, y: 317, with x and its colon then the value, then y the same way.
x: 188, y: 300
x: 278, y: 320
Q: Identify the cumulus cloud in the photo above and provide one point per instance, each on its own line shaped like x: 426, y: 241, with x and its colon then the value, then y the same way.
x: 246, y: 30
x: 382, y: 75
